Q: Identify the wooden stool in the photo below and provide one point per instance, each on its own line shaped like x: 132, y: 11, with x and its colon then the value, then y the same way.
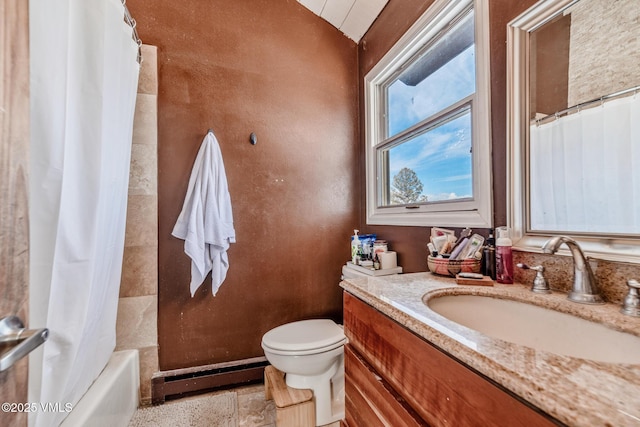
x: 294, y: 407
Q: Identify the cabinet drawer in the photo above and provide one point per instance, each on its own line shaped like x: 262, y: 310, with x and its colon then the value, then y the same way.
x: 370, y: 401
x: 441, y: 390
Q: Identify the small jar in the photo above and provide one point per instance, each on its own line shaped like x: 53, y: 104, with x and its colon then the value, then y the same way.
x: 379, y: 246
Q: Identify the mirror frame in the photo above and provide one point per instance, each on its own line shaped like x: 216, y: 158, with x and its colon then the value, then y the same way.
x: 618, y: 248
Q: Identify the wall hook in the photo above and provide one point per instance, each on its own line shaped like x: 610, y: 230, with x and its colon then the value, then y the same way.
x: 253, y: 138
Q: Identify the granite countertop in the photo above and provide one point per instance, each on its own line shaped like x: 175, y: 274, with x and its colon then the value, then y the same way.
x: 575, y: 391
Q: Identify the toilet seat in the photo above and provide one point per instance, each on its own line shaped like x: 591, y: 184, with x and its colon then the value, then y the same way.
x: 304, y: 352
x: 304, y: 337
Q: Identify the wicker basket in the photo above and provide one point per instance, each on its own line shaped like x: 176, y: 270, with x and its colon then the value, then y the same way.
x: 447, y: 267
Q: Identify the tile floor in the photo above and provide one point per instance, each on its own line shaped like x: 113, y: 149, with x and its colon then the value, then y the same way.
x: 253, y: 409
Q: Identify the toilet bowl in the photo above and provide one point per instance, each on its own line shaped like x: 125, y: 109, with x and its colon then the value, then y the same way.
x: 311, y: 355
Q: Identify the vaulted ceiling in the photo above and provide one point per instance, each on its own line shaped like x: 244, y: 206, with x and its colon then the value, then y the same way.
x: 352, y: 17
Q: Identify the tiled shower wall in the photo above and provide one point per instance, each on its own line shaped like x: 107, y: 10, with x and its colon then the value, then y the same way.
x: 137, y: 308
x: 608, y: 61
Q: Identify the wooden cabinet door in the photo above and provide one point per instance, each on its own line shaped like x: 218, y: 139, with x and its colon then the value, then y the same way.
x: 441, y: 390
x: 371, y: 401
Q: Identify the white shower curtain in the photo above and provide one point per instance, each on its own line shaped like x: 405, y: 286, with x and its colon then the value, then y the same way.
x: 585, y: 170
x: 84, y: 78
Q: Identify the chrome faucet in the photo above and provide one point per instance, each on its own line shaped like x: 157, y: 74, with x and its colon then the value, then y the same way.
x: 631, y: 303
x: 585, y: 289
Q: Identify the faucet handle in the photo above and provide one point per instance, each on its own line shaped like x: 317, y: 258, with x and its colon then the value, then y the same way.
x: 631, y: 303
x: 540, y: 284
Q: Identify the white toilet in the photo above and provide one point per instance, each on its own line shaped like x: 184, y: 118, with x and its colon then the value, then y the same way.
x: 311, y: 354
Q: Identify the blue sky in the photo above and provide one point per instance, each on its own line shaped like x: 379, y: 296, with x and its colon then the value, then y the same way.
x: 441, y: 157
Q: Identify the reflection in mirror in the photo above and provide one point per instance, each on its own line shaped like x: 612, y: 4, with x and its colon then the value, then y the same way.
x: 588, y: 50
x: 575, y: 122
x: 584, y: 150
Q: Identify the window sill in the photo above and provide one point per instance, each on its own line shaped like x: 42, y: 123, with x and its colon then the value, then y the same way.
x: 460, y: 219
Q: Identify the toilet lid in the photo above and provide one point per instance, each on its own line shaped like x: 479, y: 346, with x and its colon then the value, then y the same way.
x: 304, y: 335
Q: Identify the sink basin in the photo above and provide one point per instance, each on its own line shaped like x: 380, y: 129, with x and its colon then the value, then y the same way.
x: 539, y: 328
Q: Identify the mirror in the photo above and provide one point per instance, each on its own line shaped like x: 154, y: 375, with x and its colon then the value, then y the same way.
x: 574, y: 125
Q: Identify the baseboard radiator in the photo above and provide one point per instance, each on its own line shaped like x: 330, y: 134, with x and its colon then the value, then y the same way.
x: 166, y: 385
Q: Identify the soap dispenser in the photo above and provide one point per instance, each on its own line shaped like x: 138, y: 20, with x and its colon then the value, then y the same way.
x: 504, y: 256
x: 356, y: 247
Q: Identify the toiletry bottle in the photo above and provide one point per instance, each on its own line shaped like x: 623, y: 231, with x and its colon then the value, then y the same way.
x: 355, y: 247
x: 379, y: 246
x: 489, y: 257
x: 504, y: 256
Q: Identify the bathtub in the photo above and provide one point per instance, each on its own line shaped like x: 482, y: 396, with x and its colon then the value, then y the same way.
x: 113, y: 397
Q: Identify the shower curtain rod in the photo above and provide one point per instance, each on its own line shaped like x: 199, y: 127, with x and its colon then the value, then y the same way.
x: 556, y: 115
x: 132, y: 22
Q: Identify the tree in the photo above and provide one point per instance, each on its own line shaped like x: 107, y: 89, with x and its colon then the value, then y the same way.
x: 406, y: 188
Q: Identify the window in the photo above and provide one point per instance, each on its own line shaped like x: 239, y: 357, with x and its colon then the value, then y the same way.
x: 427, y: 122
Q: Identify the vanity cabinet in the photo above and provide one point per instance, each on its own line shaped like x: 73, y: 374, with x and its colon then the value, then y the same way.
x: 395, y: 378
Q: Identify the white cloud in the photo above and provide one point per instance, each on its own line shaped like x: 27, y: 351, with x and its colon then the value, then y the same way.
x: 445, y: 196
x: 464, y: 177
x: 431, y: 148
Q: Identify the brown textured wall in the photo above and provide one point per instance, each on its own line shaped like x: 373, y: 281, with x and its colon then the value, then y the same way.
x: 273, y: 68
x: 395, y: 19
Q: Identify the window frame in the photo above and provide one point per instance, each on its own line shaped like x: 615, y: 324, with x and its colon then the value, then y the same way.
x: 474, y: 212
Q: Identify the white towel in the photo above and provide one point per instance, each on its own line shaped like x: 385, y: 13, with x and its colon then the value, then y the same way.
x: 206, y: 221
